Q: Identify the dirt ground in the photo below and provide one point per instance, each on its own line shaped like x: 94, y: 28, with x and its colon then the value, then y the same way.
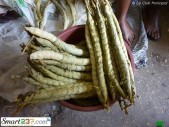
x: 152, y: 101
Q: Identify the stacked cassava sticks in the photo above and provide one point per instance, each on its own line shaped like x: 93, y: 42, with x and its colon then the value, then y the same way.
x: 110, y: 64
x: 62, y: 71
x: 59, y: 70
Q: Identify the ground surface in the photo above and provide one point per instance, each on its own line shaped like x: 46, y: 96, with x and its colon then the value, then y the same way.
x: 152, y: 102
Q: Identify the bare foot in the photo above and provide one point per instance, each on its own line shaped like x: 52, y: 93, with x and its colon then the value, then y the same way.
x: 127, y: 31
x: 151, y: 22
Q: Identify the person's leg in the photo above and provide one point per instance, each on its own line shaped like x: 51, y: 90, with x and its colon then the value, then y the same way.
x: 128, y: 34
x: 151, y: 20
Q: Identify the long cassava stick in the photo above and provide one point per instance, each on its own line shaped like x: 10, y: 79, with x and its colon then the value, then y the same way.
x: 69, y: 74
x: 50, y: 82
x: 52, y: 75
x: 59, y: 57
x: 98, y: 57
x: 38, y: 11
x: 93, y: 63
x: 30, y: 100
x: 34, y: 82
x: 116, y: 45
x: 66, y: 97
x: 133, y: 88
x: 119, y: 32
x: 71, y: 67
x: 57, y: 42
x: 46, y: 81
x: 73, y: 11
x: 46, y: 43
x: 56, y: 93
x: 109, y: 68
x: 49, y: 74
x: 125, y: 52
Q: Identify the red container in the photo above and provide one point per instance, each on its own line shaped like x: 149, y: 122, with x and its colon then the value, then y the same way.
x: 74, y: 35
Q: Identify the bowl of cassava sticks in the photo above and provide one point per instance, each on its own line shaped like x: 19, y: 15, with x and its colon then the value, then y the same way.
x: 86, y: 68
x: 83, y: 68
x: 76, y: 36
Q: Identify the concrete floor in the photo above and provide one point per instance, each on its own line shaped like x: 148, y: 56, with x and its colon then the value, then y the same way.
x: 152, y: 102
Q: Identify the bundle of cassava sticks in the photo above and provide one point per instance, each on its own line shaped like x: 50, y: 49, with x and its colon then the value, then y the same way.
x: 98, y: 66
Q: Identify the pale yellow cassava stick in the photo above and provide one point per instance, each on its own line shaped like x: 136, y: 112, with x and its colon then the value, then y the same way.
x: 57, y: 42
x: 59, y: 57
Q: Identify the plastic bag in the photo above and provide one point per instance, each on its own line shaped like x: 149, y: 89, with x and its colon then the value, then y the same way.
x: 12, y: 62
x: 21, y: 7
